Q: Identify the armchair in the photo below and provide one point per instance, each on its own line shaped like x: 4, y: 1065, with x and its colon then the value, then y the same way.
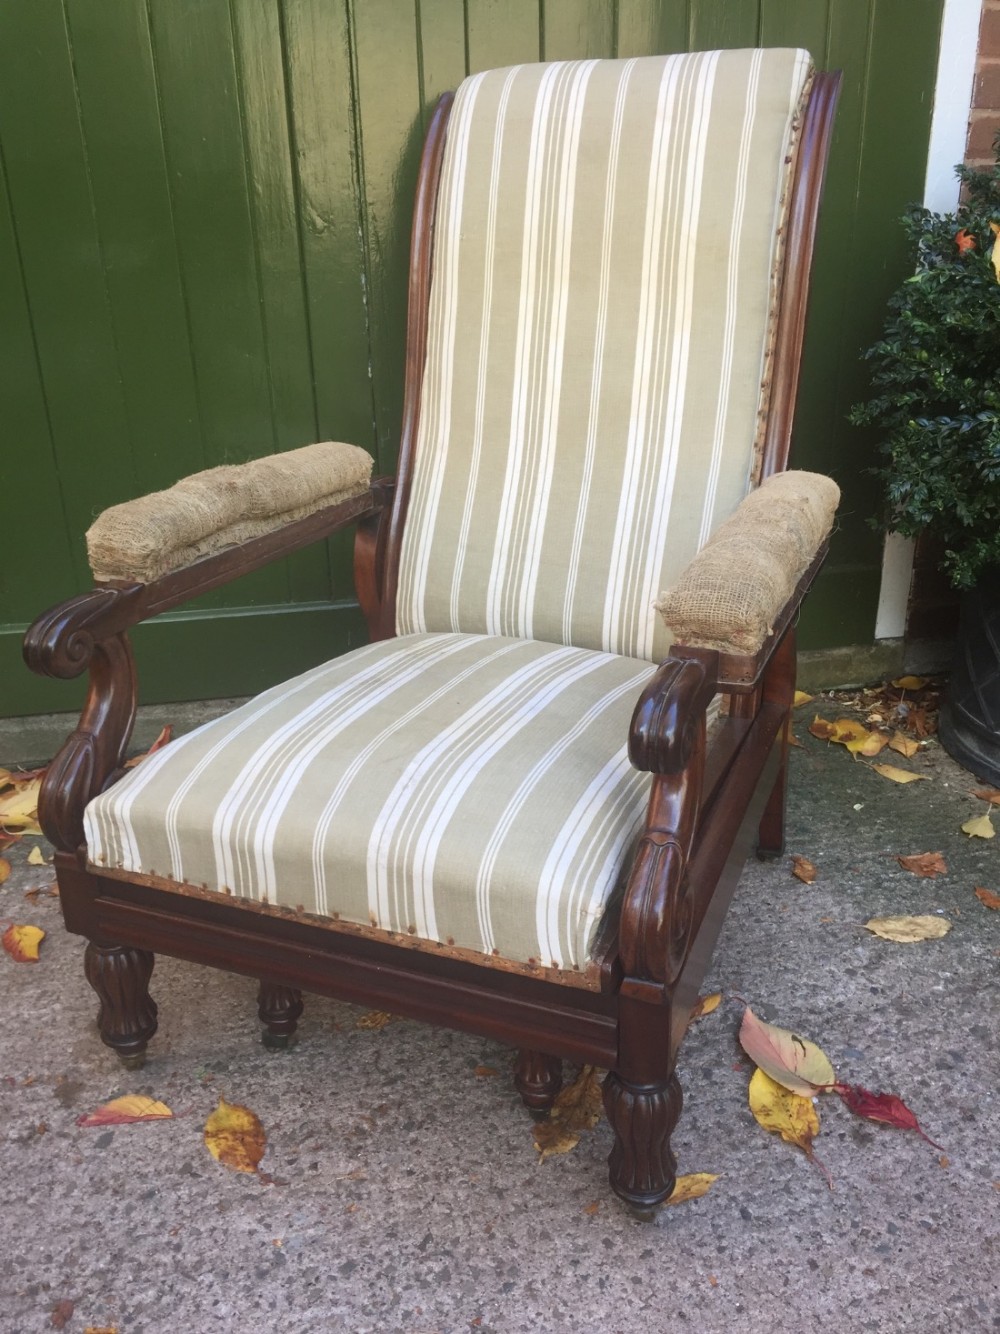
x: 507, y: 818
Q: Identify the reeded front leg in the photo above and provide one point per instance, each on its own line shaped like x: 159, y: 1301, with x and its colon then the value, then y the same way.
x: 127, y: 1017
x: 279, y: 1009
x: 643, y: 1169
x: 538, y: 1079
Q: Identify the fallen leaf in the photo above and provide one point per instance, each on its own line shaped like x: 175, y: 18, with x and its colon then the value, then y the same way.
x: 485, y: 1071
x: 165, y: 736
x: 19, y: 807
x: 375, y: 1019
x: 577, y: 1108
x: 22, y: 942
x: 987, y: 898
x: 800, y: 698
x: 35, y: 857
x: 125, y: 1111
x: 706, y: 1004
x: 793, y: 740
x: 903, y: 745
x: 803, y: 869
x: 981, y: 826
x: 884, y: 1107
x: 235, y: 1137
x: 871, y: 744
x: 592, y: 1208
x: 925, y: 864
x: 944, y: 1161
x: 101, y: 1329
x: 990, y: 794
x: 907, y: 930
x: 4, y: 869
x: 7, y: 839
x: 899, y: 775
x: 784, y: 1113
x: 794, y: 1062
x: 61, y: 1313
x: 693, y: 1186
x: 910, y: 682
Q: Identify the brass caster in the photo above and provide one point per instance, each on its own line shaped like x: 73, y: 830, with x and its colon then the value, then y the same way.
x: 275, y: 1041
x: 134, y: 1062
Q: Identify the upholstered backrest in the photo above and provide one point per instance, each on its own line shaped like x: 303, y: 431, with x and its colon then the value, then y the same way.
x: 606, y: 244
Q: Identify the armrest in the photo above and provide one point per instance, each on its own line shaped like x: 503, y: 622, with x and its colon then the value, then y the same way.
x: 743, y: 588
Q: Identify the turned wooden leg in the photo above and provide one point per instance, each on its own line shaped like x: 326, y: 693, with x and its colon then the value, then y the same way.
x: 127, y: 1017
x: 279, y: 1009
x: 538, y: 1078
x: 778, y: 687
x: 771, y: 832
x: 642, y: 1116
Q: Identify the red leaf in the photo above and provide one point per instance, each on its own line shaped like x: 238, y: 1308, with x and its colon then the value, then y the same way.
x: 884, y: 1107
x: 965, y: 241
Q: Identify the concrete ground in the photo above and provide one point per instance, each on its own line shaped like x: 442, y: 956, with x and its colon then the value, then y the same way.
x: 405, y: 1193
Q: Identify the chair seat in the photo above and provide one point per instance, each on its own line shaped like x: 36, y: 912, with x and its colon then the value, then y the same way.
x: 466, y: 792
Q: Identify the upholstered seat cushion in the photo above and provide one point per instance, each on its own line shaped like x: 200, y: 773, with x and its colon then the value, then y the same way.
x: 468, y: 790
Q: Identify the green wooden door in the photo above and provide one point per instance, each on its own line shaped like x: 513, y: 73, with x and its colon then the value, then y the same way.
x: 204, y: 215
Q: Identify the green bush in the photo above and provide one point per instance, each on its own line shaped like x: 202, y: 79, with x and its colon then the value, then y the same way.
x: 936, y: 373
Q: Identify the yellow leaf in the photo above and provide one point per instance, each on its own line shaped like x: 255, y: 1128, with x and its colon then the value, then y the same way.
x: 792, y: 1061
x: 802, y: 698
x: 577, y: 1108
x: 124, y: 1111
x: 35, y: 857
x: 692, y: 1187
x: 907, y: 930
x: 5, y: 777
x: 819, y: 727
x: 979, y: 827
x: 902, y: 745
x: 4, y: 869
x: 784, y: 1113
x: 706, y: 1004
x: 910, y: 682
x: 869, y: 745
x: 995, y: 253
x: 19, y: 807
x: 375, y: 1019
x: 235, y: 1137
x: 899, y: 775
x: 846, y: 730
x: 803, y: 869
x: 22, y: 942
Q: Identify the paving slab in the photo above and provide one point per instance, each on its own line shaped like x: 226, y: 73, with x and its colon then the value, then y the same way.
x: 403, y: 1190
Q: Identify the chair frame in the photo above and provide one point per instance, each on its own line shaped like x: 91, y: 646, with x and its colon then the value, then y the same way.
x: 706, y: 810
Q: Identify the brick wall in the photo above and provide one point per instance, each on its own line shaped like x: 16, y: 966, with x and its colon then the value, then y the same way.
x: 984, y: 119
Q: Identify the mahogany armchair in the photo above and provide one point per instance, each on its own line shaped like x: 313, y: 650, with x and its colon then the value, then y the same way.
x: 501, y: 815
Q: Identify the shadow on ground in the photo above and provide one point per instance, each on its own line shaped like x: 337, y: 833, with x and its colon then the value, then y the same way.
x: 406, y: 1194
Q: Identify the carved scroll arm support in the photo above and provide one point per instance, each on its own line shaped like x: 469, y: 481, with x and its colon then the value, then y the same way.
x: 667, y: 738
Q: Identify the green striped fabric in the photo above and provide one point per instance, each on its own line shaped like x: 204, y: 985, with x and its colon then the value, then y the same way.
x: 605, y: 250
x: 469, y: 790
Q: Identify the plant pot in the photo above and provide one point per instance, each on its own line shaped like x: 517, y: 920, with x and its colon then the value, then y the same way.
x: 969, y: 723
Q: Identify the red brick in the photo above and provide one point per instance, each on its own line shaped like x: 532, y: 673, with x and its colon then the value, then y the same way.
x: 989, y: 33
x: 982, y: 131
x: 986, y: 94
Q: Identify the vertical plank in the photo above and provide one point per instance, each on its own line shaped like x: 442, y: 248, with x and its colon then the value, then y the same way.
x: 790, y: 23
x: 60, y: 252
x: 441, y: 50
x: 116, y: 89
x: 577, y: 29
x: 502, y: 32
x: 723, y: 24
x: 652, y: 27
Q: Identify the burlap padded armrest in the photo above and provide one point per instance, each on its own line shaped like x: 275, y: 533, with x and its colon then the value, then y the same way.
x: 143, y: 539
x: 729, y: 595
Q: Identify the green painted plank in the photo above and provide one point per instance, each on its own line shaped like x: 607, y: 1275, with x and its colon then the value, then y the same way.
x: 60, y: 251
x: 112, y: 61
x: 38, y: 556
x: 502, y: 32
x: 390, y: 138
x: 577, y: 29
x: 651, y: 27
x: 187, y: 655
x: 723, y: 24
x: 263, y: 89
x: 440, y: 36
x: 792, y: 23
x: 318, y: 64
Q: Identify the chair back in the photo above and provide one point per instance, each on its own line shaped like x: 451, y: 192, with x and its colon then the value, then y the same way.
x: 607, y: 246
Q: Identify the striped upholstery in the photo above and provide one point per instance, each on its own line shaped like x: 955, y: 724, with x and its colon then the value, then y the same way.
x: 462, y: 789
x: 605, y: 251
